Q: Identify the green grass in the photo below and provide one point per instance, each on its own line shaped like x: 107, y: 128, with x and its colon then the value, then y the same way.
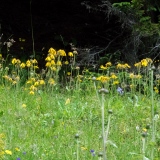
x: 42, y: 118
x: 45, y: 129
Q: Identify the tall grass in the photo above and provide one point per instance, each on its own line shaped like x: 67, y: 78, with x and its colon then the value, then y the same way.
x: 60, y: 114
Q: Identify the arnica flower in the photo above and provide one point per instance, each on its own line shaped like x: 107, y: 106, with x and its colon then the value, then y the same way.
x: 115, y: 82
x: 34, y: 61
x: 14, y: 61
x: 17, y: 149
x: 22, y: 65
x: 108, y: 64
x: 53, y: 68
x: 31, y: 92
x: 103, y: 67
x: 138, y: 65
x: 8, y: 152
x: 28, y: 63
x: 113, y: 76
x: 59, y: 63
x: 48, y: 59
x: 66, y: 62
x: 48, y: 64
x: 61, y: 53
x: 103, y: 79
x: 70, y: 54
x: 51, y: 81
x: 122, y: 66
x: 41, y: 82
x: 146, y: 62
x: 53, y: 62
x: 52, y: 51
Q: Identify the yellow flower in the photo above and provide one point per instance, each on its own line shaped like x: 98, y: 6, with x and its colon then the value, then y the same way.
x: 36, y: 83
x: 53, y: 62
x: 31, y: 92
x: 17, y: 149
x: 115, y: 82
x: 68, y: 73
x: 48, y: 64
x: 108, y: 64
x: 67, y: 101
x: 113, y: 76
x: 103, y: 79
x: 14, y: 61
x: 53, y: 68
x: 24, y: 105
x: 70, y: 54
x: 102, y: 67
x: 51, y: 81
x: 59, y: 63
x: 33, y: 88
x: 138, y: 65
x: 83, y: 148
x: 41, y: 82
x: 8, y: 152
x: 22, y: 65
x: 48, y: 58
x: 34, y: 61
x: 28, y: 63
x: 61, y: 53
x: 66, y: 62
x: 52, y: 51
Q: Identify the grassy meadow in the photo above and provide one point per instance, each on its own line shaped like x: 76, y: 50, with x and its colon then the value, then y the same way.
x: 65, y: 112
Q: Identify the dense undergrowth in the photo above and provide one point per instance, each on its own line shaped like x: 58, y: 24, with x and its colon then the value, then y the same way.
x: 68, y: 112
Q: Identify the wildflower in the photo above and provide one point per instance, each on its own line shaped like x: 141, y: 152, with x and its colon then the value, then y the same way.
x: 17, y: 149
x: 48, y: 58
x: 156, y: 90
x: 66, y: 62
x: 67, y: 101
x: 51, y: 81
x: 103, y: 67
x: 108, y: 64
x: 53, y: 62
x: 14, y: 61
x: 36, y: 83
x: 138, y: 65
x: 8, y: 152
x: 115, y: 82
x: 70, y: 54
x: 48, y: 64
x: 53, y: 68
x: 34, y: 61
x: 120, y: 90
x: 33, y: 88
x: 59, y: 63
x: 18, y: 159
x: 52, y: 51
x: 68, y: 73
x: 24, y: 106
x: 22, y: 65
x: 31, y: 92
x: 41, y: 82
x: 61, y: 53
x: 28, y: 63
x: 92, y: 152
x: 103, y: 79
x: 113, y: 76
x: 83, y: 148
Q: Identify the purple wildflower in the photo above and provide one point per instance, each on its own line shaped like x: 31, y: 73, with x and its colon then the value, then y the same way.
x: 18, y: 159
x: 120, y: 90
x: 92, y: 152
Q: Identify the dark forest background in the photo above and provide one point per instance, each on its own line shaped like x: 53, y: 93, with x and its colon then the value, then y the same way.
x: 112, y: 30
